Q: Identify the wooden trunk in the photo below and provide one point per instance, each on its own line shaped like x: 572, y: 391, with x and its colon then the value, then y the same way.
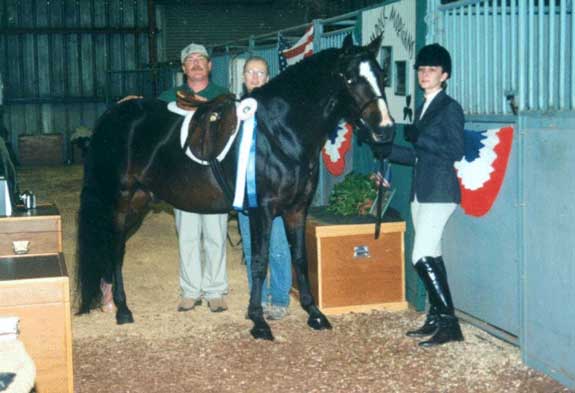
x: 40, y: 226
x: 36, y: 289
x: 351, y: 271
x: 43, y: 149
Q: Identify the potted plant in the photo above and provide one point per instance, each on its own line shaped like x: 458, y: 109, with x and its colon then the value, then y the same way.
x: 353, y: 196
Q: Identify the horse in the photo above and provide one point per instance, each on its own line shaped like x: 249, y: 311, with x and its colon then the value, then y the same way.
x: 136, y: 157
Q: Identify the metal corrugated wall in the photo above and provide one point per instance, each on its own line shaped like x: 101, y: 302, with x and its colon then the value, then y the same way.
x: 189, y: 22
x: 54, y: 58
x: 220, y: 70
x: 269, y: 53
x: 526, y: 53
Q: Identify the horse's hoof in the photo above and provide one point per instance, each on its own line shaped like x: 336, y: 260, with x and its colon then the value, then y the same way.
x: 124, y: 318
x: 262, y: 333
x: 318, y: 322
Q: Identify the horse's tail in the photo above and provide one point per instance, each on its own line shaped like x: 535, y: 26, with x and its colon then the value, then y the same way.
x: 97, y: 232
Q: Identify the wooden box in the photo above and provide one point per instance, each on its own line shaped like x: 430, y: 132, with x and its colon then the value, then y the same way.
x: 41, y: 227
x: 351, y: 271
x: 36, y: 289
x: 42, y: 149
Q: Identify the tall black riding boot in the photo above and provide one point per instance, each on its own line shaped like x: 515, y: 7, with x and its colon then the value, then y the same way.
x: 434, y: 278
x: 432, y: 319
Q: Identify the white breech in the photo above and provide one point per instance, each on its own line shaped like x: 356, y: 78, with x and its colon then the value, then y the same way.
x: 429, y: 221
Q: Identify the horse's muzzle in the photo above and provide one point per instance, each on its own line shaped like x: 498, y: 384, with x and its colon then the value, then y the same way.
x: 383, y: 135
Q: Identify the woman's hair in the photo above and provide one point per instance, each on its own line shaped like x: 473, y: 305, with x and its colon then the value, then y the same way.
x: 256, y: 58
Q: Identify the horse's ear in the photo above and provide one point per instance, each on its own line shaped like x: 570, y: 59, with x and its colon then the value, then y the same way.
x: 347, y: 43
x: 375, y: 45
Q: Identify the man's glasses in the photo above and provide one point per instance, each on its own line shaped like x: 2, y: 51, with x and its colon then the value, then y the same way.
x: 257, y: 73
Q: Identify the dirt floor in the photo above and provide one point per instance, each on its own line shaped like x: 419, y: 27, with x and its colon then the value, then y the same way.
x: 199, y: 351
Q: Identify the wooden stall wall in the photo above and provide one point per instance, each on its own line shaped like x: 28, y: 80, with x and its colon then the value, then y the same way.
x: 56, y: 57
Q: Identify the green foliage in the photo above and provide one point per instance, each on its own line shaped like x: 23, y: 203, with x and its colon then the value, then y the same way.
x: 352, y: 195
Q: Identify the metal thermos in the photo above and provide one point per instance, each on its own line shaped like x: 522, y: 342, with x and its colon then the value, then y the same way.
x: 28, y: 199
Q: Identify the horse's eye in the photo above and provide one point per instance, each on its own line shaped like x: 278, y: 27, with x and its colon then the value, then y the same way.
x: 349, y: 81
x: 214, y: 117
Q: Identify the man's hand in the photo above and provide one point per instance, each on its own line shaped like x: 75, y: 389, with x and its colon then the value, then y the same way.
x: 128, y: 98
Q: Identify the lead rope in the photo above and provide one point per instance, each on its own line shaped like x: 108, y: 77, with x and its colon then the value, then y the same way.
x: 383, y: 170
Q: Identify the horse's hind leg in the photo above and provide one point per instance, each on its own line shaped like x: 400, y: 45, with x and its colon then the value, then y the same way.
x: 123, y: 313
x: 135, y: 204
x: 295, y: 231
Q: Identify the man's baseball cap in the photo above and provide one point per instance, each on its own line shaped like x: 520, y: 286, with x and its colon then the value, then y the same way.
x: 193, y: 48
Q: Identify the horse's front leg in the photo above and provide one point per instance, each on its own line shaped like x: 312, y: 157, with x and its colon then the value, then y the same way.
x: 295, y: 230
x: 260, y: 228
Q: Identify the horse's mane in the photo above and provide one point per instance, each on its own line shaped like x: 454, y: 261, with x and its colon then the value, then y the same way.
x: 309, y: 70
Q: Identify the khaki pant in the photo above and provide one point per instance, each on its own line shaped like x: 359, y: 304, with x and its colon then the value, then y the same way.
x: 209, y: 230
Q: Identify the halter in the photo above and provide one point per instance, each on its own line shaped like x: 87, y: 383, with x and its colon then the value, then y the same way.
x: 375, y: 99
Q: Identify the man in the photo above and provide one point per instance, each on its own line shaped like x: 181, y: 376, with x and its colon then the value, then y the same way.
x: 211, y: 283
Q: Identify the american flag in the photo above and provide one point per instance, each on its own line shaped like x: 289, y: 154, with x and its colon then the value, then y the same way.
x: 291, y: 55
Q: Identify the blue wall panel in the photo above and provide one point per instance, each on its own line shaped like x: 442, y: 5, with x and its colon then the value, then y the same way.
x: 481, y: 253
x: 220, y: 70
x: 548, y: 339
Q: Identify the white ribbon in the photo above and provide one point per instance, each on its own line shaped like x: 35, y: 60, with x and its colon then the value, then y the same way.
x: 245, y: 111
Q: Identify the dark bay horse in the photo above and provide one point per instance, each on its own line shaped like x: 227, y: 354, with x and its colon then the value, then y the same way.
x: 135, y: 157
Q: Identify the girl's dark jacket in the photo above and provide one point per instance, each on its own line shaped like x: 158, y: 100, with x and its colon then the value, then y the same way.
x: 438, y: 144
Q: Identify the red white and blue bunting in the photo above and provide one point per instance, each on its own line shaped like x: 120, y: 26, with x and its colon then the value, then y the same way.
x: 482, y: 170
x: 336, y: 147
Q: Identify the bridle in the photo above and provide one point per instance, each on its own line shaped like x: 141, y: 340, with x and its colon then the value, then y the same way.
x: 362, y: 122
x: 374, y: 99
x: 364, y: 127
x: 361, y: 110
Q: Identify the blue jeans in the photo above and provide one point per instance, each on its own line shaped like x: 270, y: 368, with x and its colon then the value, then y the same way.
x: 278, y: 283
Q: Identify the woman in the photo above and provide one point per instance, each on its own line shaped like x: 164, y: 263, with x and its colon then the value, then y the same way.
x: 437, y: 138
x: 275, y: 291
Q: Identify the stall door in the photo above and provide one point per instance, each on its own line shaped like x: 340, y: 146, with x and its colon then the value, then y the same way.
x: 548, y: 322
x: 482, y: 256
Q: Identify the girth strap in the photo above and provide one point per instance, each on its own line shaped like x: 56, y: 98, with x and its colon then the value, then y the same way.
x: 221, y: 179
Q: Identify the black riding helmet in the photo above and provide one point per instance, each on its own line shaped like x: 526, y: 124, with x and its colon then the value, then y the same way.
x: 434, y: 55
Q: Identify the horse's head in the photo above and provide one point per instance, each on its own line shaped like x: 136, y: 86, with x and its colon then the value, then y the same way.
x: 363, y: 81
x: 213, y: 123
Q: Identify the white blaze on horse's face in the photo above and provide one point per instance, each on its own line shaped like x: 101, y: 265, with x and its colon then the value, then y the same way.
x: 367, y: 73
